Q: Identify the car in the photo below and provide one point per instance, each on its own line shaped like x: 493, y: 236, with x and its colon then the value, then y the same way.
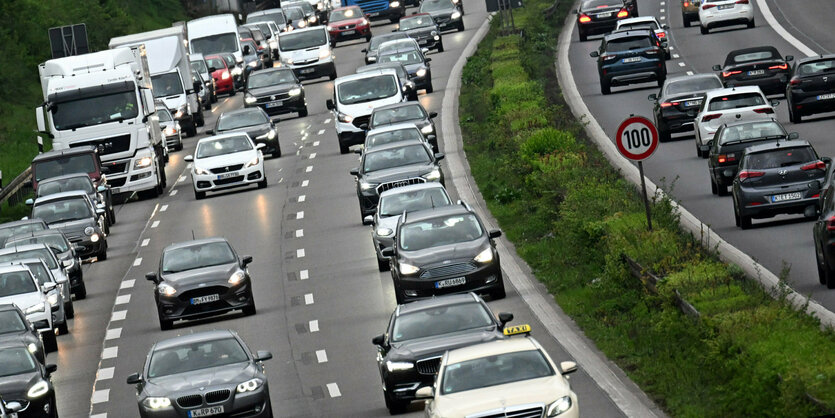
x: 445, y: 13
x: 236, y: 68
x: 599, y: 17
x: 396, y: 44
x: 412, y: 112
x: 79, y: 181
x: 811, y: 88
x: 393, y: 203
x: 824, y: 238
x: 390, y: 134
x: 27, y: 382
x: 9, y: 229
x: 74, y: 214
x: 371, y: 50
x: 690, y: 11
x: 354, y: 98
x: 57, y: 274
x: 394, y: 165
x: 255, y: 123
x: 275, y: 15
x: 308, y: 53
x: 418, y: 334
x: 15, y: 327
x: 201, y: 278
x: 760, y: 66
x: 727, y: 105
x: 444, y: 250
x: 295, y: 18
x: 508, y: 377
x: 778, y: 178
x: 201, y: 374
x: 65, y: 253
x: 730, y: 141
x: 171, y: 130
x: 10, y: 409
x: 646, y: 22
x: 58, y: 296
x: 629, y: 57
x: 253, y: 32
x: 676, y: 104
x: 310, y: 14
x: 276, y: 91
x: 406, y: 85
x: 222, y: 75
x: 346, y: 23
x: 417, y: 65
x: 81, y: 159
x: 226, y: 161
x: 204, y: 95
x: 422, y: 28
x: 198, y: 63
x: 252, y: 60
x: 716, y: 13
x: 270, y: 31
x: 18, y: 287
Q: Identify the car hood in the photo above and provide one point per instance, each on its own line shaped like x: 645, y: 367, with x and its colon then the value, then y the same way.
x: 412, y: 68
x: 205, y: 275
x: 24, y: 300
x: 389, y: 222
x: 365, y: 108
x: 544, y: 389
x: 398, y: 173
x: 345, y: 22
x: 173, y: 102
x: 437, y: 345
x: 301, y: 55
x: 204, y: 378
x: 274, y: 89
x: 73, y: 228
x: 461, y: 252
x: 253, y: 131
x: 15, y: 386
x: 420, y: 32
x: 25, y: 337
x: 242, y: 157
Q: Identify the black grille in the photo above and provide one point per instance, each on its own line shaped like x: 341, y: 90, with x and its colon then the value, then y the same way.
x: 112, y: 145
x: 277, y: 96
x: 217, y: 396
x: 118, y: 167
x: 236, y: 179
x: 511, y: 412
x: 190, y: 401
x: 448, y: 270
x: 399, y: 183
x: 221, y: 170
x: 117, y: 182
x: 428, y: 366
x: 361, y: 120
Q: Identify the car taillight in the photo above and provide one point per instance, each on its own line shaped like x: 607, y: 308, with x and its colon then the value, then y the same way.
x: 783, y: 66
x: 817, y: 165
x: 830, y: 223
x: 708, y: 6
x: 654, y: 50
x: 726, y: 158
x: 585, y: 19
x: 686, y: 4
x: 668, y: 104
x: 606, y: 57
x: 795, y: 81
x: 661, y: 35
x: 623, y: 13
x: 741, y: 1
x: 750, y: 174
x: 708, y: 118
x: 765, y: 110
x: 730, y: 73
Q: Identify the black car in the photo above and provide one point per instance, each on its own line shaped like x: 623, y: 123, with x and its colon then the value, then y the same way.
x: 9, y: 229
x: 417, y: 65
x: 728, y: 143
x: 277, y: 91
x: 776, y: 178
x: 394, y: 165
x: 629, y: 57
x: 14, y: 327
x: 201, y: 278
x: 255, y: 122
x: 376, y: 41
x: 64, y: 251
x: 597, y: 17
x: 405, y: 112
x: 23, y: 379
x: 761, y: 66
x: 418, y: 335
x: 408, y: 86
x: 73, y: 214
x: 203, y: 374
x: 295, y: 16
x: 824, y: 236
x: 79, y: 181
x: 446, y: 13
x: 676, y: 105
x: 422, y: 28
x: 811, y: 88
x: 310, y: 14
x: 444, y: 250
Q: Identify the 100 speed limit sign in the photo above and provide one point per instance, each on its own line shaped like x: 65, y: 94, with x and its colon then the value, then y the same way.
x: 637, y: 138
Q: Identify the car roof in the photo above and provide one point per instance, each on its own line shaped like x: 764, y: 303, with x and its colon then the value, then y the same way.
x: 422, y: 215
x: 62, y: 195
x: 24, y: 247
x: 367, y: 74
x: 507, y: 345
x: 733, y: 90
x: 768, y: 146
x: 13, y: 224
x: 387, y: 128
x: 392, y: 35
x: 379, y: 66
x: 628, y: 33
x: 40, y: 233
x: 435, y: 302
x: 196, y: 337
x: 221, y: 136
x: 65, y: 177
x: 26, y: 261
x: 353, y: 6
x: 396, y: 105
x: 8, y: 268
x: 641, y: 19
x: 815, y: 58
x: 302, y: 30
x: 184, y: 244
x: 394, y: 145
x: 241, y: 111
x: 751, y: 122
x: 9, y: 307
x: 63, y: 152
x: 411, y: 188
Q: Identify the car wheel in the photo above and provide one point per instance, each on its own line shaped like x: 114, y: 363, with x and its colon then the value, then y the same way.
x: 69, y: 308
x: 395, y: 406
x: 751, y: 24
x: 429, y: 89
x: 249, y: 310
x: 333, y: 44
x: 332, y: 76
x: 663, y: 134
x: 722, y: 190
x: 208, y: 105
x: 303, y: 112
x: 102, y: 255
x: 713, y: 187
x: 277, y: 153
x: 343, y: 148
x: 263, y: 183
x: 398, y: 295
x: 81, y: 293
x: 165, y: 324
x: 441, y: 46
x: 686, y: 21
x: 232, y: 92
x: 605, y: 88
x: 383, y: 264
x: 498, y: 293
x: 830, y: 278
x: 744, y: 221
x: 583, y: 36
x: 821, y: 268
x: 368, y: 37
x: 661, y: 79
x: 63, y: 329
x: 698, y: 150
x: 50, y: 342
x: 794, y: 116
x: 461, y: 27
x: 199, y: 195
x: 214, y: 97
x: 53, y: 408
x: 705, y: 30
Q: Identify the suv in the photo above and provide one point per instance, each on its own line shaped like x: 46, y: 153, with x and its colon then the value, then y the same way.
x: 307, y: 52
x: 811, y: 88
x: 723, y: 106
x: 629, y: 57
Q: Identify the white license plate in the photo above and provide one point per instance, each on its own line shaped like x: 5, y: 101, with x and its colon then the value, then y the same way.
x: 633, y: 59
x: 458, y: 281
x: 374, y: 14
x: 690, y: 103
x: 275, y: 103
x: 206, y: 412
x: 604, y: 14
x: 349, y: 32
x: 726, y: 6
x: 785, y: 197
x: 756, y: 72
x: 205, y: 299
x: 307, y: 70
x: 826, y: 96
x: 227, y: 175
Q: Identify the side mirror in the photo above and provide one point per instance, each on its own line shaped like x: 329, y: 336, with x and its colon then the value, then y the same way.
x: 789, y: 58
x: 440, y: 156
x: 13, y: 406
x: 364, y: 126
x: 67, y: 263
x: 568, y: 367
x: 379, y: 340
x: 505, y: 317
x: 30, y: 202
x: 425, y: 51
x: 197, y: 86
x: 717, y: 67
x: 134, y: 379
x: 427, y: 59
x: 100, y: 211
x: 358, y: 150
x: 48, y: 287
x: 431, y: 137
x: 364, y: 51
x: 188, y: 158
x: 795, y: 135
x: 495, y: 233
x: 101, y: 189
x: 210, y: 131
x: 652, y: 97
x: 212, y: 69
x: 39, y: 116
x: 826, y: 160
x: 775, y: 103
x: 329, y: 104
x: 152, y: 277
x: 594, y: 54
x: 387, y: 252
x: 51, y: 368
x: 368, y: 220
x: 426, y: 392
x: 665, y: 27
x: 433, y: 115
x: 263, y: 355
x: 260, y: 145
x: 246, y: 260
x: 354, y: 171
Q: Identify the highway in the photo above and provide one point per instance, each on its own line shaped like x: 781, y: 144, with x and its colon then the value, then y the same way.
x: 772, y: 242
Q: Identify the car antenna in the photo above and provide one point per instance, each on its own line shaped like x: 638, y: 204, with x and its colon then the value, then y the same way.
x: 192, y: 235
x: 432, y: 200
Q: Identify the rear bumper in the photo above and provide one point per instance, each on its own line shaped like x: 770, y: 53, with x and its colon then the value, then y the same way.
x: 617, y: 77
x: 315, y: 71
x: 724, y: 175
x: 775, y: 84
x: 768, y: 210
x: 809, y: 104
x: 597, y: 28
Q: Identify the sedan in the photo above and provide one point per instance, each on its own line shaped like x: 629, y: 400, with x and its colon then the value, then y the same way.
x: 346, y: 23
x: 761, y: 66
x: 226, y: 161
x: 445, y: 13
x: 690, y: 11
x: 57, y: 294
x: 422, y: 28
x: 375, y: 42
x: 21, y: 289
x: 203, y: 374
x: 64, y: 251
x: 201, y: 278
x: 811, y: 88
x: 14, y: 327
x: 418, y: 334
x: 715, y: 13
x: 405, y: 112
x: 417, y: 65
x: 24, y: 380
x: 596, y: 17
x: 679, y: 100
x: 630, y: 57
x: 255, y: 123
x: 276, y: 91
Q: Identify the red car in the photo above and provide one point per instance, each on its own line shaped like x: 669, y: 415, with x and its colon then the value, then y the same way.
x: 346, y: 23
x: 223, y: 78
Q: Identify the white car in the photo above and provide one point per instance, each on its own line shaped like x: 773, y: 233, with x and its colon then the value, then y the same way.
x: 512, y: 377
x: 721, y: 106
x: 307, y: 52
x: 226, y: 161
x: 646, y: 22
x: 19, y: 287
x: 715, y: 13
x: 393, y: 133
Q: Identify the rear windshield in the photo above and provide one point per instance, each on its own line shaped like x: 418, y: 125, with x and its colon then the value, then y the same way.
x: 43, y: 253
x: 47, y: 188
x: 736, y: 101
x: 599, y: 4
x: 689, y: 85
x: 817, y: 67
x: 752, y: 130
x: 751, y: 56
x: 629, y: 43
x: 444, y: 320
x: 780, y: 157
x: 639, y: 25
x: 397, y: 114
x: 66, y: 165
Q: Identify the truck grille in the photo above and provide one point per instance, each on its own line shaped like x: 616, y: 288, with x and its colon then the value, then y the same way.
x: 111, y: 145
x: 116, y: 167
x: 523, y: 411
x: 429, y: 365
x: 399, y: 183
x: 221, y: 170
x: 448, y: 270
x: 117, y: 182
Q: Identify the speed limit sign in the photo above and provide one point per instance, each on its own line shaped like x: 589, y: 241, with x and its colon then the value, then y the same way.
x: 637, y: 138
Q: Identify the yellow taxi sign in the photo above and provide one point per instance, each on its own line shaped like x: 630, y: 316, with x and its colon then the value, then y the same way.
x: 517, y: 329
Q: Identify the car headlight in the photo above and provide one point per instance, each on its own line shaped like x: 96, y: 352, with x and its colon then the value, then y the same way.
x: 559, y: 406
x: 311, y: 19
x: 372, y: 58
x: 35, y: 309
x: 237, y: 71
x: 364, y: 22
x: 408, y: 269
x: 32, y: 348
x: 250, y: 99
x: 421, y: 72
x: 320, y: 6
x: 179, y: 113
x: 224, y: 75
x: 394, y: 4
x: 289, y: 61
x: 364, y: 185
x: 344, y: 118
x: 399, y: 366
x: 94, y: 237
x: 295, y: 91
x: 166, y: 289
x: 236, y: 278
x: 455, y: 15
x: 485, y: 256
x: 201, y: 171
x: 38, y: 389
x: 252, y: 162
x: 427, y: 129
x: 52, y: 299
x: 89, y: 230
x: 302, y: 23
x: 155, y: 402
x: 170, y: 131
x: 437, y: 38
x: 143, y: 162
x: 250, y: 385
x: 384, y: 232
x: 324, y: 54
x: 433, y: 175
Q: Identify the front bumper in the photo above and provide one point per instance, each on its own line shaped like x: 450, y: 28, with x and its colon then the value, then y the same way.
x: 403, y: 385
x: 245, y: 177
x: 482, y: 280
x: 284, y: 104
x: 348, y: 34
x: 250, y: 404
x: 180, y: 306
x: 174, y: 141
x: 445, y: 23
x: 316, y: 70
x: 430, y: 42
x: 38, y: 407
x: 88, y: 248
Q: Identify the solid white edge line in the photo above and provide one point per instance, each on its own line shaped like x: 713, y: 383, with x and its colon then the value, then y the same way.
x: 772, y: 21
x: 333, y: 390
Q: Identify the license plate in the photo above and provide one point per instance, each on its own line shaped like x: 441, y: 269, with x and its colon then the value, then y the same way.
x: 690, y: 103
x: 205, y: 299
x: 349, y: 32
x: 227, y: 175
x: 604, y: 14
x: 633, y: 59
x: 785, y: 197
x: 307, y: 70
x: 275, y: 103
x: 458, y: 281
x: 826, y: 96
x: 756, y: 72
x: 206, y: 412
x: 726, y: 6
x: 374, y: 14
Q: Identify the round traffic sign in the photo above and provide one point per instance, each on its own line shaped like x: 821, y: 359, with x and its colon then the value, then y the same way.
x: 637, y: 138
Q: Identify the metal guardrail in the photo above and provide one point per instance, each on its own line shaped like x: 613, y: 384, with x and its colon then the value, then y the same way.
x: 17, y: 188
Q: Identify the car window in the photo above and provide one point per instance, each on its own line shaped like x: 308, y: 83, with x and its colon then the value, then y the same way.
x: 736, y: 101
x: 6, y: 232
x: 65, y: 210
x: 351, y: 13
x: 693, y: 84
x: 43, y: 253
x: 398, y: 114
x: 10, y: 321
x: 443, y: 320
x: 392, y: 45
x: 435, y: 5
x: 40, y: 273
x: 212, y: 44
x: 395, y: 157
x: 367, y: 89
x: 164, y: 115
x: 777, y: 158
x: 817, y: 67
x: 83, y: 184
x: 416, y: 22
x: 376, y: 41
x: 16, y: 283
x: 302, y: 40
x: 197, y: 256
x: 495, y: 370
x: 628, y: 43
x: 16, y: 360
x: 270, y: 78
x: 64, y: 165
x: 168, y: 84
x: 222, y: 146
x: 395, y: 204
x: 239, y: 120
x: 216, y: 63
x: 436, y: 232
x: 392, y: 136
x: 410, y: 57
x: 749, y: 131
x: 53, y: 241
x: 754, y: 56
x: 199, y: 66
x: 196, y: 356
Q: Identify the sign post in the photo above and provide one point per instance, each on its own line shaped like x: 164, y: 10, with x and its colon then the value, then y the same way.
x: 637, y: 140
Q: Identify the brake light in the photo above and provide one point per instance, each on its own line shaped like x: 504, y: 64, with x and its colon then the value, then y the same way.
x: 765, y: 110
x: 623, y: 13
x: 741, y: 1
x: 661, y: 35
x: 726, y: 158
x: 730, y: 73
x: 585, y: 19
x: 606, y: 57
x: 686, y: 4
x: 668, y: 104
x: 708, y: 118
x: 750, y: 174
x: 794, y: 81
x: 782, y: 66
x: 817, y: 165
x: 830, y: 223
x: 708, y: 6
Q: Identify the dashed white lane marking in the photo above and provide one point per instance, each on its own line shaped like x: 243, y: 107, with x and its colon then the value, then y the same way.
x: 681, y: 64
x: 105, y: 373
x: 328, y: 120
x: 281, y: 180
x: 321, y: 132
x: 315, y: 143
x: 305, y: 183
x: 181, y: 179
x: 123, y: 299
x: 321, y: 356
x: 662, y: 17
x: 173, y: 192
x: 155, y: 224
x: 314, y: 325
x: 672, y: 48
x: 676, y: 56
x: 145, y: 242
x: 312, y: 155
x: 299, y: 233
x: 661, y: 10
x: 302, y: 198
x: 137, y: 262
x: 100, y: 396
x: 109, y: 352
x: 308, y: 169
x: 113, y: 334
x: 333, y: 390
x: 300, y: 253
x: 118, y: 316
x: 215, y: 109
x: 300, y: 214
x: 661, y: 3
x: 163, y: 208
x: 127, y: 284
x: 304, y: 275
x: 301, y: 132
x: 102, y: 415
x: 689, y: 73
x: 308, y: 298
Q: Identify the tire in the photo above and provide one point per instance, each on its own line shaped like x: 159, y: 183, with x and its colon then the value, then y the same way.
x: 368, y: 37
x: 332, y: 76
x: 63, y: 329
x: 53, y: 408
x: 583, y: 36
x: 214, y: 97
x: 430, y: 89
x: 343, y: 148
x: 441, y: 46
x: 191, y: 130
x: 303, y: 113
x: 383, y: 265
x: 200, y: 120
x: 498, y: 293
x: 460, y: 27
x: 81, y: 293
x: 821, y: 268
x: 199, y: 195
x: 398, y: 295
x: 165, y: 324
x: 714, y: 188
x: 277, y: 153
x: 233, y: 92
x: 698, y: 150
x: 722, y: 190
x: 69, y: 309
x: 704, y: 30
x: 250, y: 310
x: 605, y: 88
x: 830, y: 278
x: 744, y: 221
x: 102, y: 255
x: 794, y: 116
x: 50, y: 342
x: 664, y: 135
x: 751, y: 24
x: 736, y: 215
x: 208, y: 106
x: 686, y: 21
x: 263, y: 183
x: 661, y: 79
x: 395, y: 406
x: 106, y: 228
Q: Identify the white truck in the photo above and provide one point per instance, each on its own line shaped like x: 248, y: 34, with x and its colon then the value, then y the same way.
x: 105, y: 99
x: 170, y: 70
x: 217, y: 34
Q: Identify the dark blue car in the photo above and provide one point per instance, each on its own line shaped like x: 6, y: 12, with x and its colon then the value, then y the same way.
x: 629, y: 57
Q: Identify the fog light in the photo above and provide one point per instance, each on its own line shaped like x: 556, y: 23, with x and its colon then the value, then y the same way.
x: 412, y: 293
x: 490, y: 279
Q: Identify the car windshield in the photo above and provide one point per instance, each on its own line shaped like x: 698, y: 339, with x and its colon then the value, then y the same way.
x: 7, y: 231
x: 600, y: 4
x: 628, y: 43
x: 306, y: 7
x: 408, y: 57
x: 217, y: 63
x: 395, y: 157
x: 395, y: 204
x: 52, y: 241
x: 222, y: 146
x: 199, y: 66
x: 416, y: 22
x: 753, y: 56
x: 164, y: 115
x: 16, y: 283
x: 40, y: 273
x: 396, y: 66
x: 196, y: 356
x: 444, y: 320
x: 241, y: 119
x: 396, y: 44
x: 43, y: 253
x: 435, y: 5
x: 817, y: 67
x: 16, y: 360
x: 253, y: 50
x: 736, y: 101
x: 302, y: 40
x: 344, y: 14
x: 294, y: 13
x: 84, y: 163
x: 782, y: 157
x: 222, y: 42
x: 375, y: 140
x: 65, y: 210
x: 88, y: 111
x: 397, y: 114
x: 439, y: 231
x: 10, y: 321
x: 229, y: 59
x: 197, y: 256
x: 495, y: 370
x: 275, y: 16
x: 270, y: 78
x: 367, y: 89
x: 753, y: 130
x: 693, y: 84
x: 47, y: 188
x: 376, y: 41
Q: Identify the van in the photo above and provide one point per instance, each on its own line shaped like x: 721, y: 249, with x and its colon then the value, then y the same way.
x: 307, y: 52
x: 213, y: 35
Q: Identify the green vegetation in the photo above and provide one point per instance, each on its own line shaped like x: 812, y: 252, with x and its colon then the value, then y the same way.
x: 572, y: 217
